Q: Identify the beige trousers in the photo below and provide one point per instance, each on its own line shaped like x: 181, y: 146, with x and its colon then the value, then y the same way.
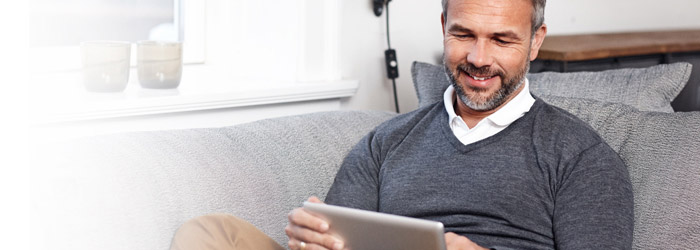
x: 221, y: 232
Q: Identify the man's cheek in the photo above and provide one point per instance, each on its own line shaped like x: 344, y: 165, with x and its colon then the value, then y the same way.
x: 452, y: 62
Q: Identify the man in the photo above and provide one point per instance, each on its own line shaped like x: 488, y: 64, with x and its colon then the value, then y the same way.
x: 497, y: 167
x: 500, y: 169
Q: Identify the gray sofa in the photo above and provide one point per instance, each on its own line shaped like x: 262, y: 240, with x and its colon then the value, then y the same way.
x: 132, y: 191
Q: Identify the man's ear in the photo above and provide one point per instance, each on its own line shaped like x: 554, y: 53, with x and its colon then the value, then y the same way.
x: 537, y: 41
x: 442, y: 22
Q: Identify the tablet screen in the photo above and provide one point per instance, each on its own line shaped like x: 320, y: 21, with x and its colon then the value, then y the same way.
x: 367, y: 230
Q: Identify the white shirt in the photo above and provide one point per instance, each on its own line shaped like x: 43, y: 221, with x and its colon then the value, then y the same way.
x: 492, y: 124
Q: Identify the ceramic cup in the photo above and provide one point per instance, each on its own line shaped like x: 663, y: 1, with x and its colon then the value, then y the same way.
x: 159, y: 64
x: 105, y: 65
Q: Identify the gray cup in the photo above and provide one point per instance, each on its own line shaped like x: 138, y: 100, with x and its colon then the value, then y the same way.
x: 159, y: 64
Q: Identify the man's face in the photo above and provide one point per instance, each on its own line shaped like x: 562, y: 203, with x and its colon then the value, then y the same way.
x: 488, y: 46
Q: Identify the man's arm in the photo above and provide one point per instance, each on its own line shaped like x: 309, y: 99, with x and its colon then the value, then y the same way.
x: 594, y: 202
x: 356, y: 184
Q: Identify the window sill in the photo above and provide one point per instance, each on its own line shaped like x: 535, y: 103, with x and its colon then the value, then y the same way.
x: 61, y: 98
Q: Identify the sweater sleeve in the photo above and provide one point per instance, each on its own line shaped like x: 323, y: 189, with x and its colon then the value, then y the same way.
x: 356, y: 184
x: 594, y: 202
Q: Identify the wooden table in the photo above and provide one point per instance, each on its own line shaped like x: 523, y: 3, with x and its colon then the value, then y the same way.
x: 595, y: 52
x: 598, y: 46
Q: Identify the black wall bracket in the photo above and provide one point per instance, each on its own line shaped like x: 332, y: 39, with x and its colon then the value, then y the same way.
x: 378, y: 7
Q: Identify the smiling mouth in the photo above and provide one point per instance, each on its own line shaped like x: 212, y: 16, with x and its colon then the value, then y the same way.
x: 480, y: 78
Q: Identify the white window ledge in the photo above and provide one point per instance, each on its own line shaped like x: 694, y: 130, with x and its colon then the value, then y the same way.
x: 61, y: 98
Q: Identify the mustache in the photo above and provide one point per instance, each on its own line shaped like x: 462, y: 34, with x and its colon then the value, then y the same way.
x: 483, y: 71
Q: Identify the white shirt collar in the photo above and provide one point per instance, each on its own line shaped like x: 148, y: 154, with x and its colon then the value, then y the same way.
x: 511, y: 111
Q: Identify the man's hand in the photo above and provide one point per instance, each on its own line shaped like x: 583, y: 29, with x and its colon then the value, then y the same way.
x: 458, y: 242
x: 308, y: 232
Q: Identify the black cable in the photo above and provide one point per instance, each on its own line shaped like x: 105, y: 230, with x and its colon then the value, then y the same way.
x: 396, y: 99
x: 388, y: 42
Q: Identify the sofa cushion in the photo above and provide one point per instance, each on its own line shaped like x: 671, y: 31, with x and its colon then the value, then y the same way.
x: 647, y: 89
x: 132, y: 191
x: 662, y: 154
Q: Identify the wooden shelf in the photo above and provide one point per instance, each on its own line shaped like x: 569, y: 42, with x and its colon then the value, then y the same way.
x: 598, y: 46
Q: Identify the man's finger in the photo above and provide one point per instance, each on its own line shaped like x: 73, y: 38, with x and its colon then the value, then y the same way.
x: 295, y: 244
x: 449, y: 238
x: 457, y: 242
x: 314, y: 199
x: 302, y: 218
x: 313, y: 237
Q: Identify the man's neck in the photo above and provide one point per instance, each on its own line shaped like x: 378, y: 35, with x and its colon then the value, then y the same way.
x: 472, y: 117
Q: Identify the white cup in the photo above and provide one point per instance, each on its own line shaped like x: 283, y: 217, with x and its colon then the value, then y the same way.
x: 105, y: 65
x: 159, y: 64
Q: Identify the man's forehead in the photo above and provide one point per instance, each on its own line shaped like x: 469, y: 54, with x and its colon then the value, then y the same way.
x: 487, y: 2
x: 489, y: 6
x: 509, y: 15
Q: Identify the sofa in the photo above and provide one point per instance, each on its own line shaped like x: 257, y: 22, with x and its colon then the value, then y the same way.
x: 133, y: 190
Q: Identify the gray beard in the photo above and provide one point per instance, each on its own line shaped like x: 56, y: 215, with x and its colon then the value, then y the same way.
x: 508, y: 87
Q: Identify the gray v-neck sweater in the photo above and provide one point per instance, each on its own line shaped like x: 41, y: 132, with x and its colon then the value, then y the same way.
x: 547, y: 181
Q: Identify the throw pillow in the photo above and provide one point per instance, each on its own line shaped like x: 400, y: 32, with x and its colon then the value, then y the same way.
x: 647, y: 89
x: 662, y: 154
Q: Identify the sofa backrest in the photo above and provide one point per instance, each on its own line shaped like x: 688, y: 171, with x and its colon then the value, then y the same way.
x: 132, y: 191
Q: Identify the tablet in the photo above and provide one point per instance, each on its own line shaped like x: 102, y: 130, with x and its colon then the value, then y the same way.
x: 366, y: 230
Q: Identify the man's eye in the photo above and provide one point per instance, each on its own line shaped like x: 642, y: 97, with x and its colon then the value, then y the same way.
x: 462, y: 35
x: 501, y: 42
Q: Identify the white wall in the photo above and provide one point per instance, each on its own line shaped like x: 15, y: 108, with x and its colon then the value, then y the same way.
x: 605, y: 16
x: 415, y: 34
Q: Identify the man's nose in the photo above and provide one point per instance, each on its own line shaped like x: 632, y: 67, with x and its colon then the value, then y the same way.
x: 479, y: 55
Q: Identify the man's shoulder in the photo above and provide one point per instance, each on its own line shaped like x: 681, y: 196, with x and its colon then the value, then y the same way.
x: 559, y: 114
x: 404, y: 123
x: 559, y: 128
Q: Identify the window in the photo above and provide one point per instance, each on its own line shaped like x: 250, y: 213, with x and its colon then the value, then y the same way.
x: 67, y: 23
x: 236, y: 53
x: 56, y: 28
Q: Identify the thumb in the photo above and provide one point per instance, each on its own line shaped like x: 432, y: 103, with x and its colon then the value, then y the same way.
x: 315, y: 199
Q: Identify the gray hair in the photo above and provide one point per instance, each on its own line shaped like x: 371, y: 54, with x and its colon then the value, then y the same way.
x: 537, y: 13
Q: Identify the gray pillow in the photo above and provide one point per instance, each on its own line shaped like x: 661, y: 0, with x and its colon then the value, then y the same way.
x: 647, y: 89
x: 662, y: 154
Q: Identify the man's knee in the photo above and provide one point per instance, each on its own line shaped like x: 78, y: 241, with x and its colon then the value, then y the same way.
x: 218, y: 232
